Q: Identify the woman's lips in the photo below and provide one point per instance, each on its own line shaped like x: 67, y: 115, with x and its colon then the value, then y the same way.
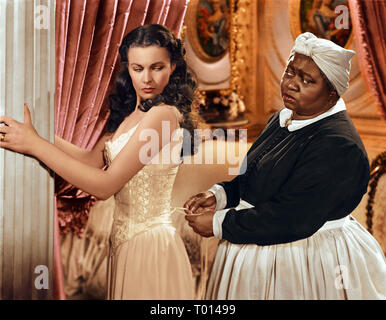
x: 148, y: 90
x: 288, y: 98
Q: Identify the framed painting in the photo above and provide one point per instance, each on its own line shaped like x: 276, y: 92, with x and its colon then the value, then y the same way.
x: 207, y: 41
x: 208, y: 28
x: 328, y: 19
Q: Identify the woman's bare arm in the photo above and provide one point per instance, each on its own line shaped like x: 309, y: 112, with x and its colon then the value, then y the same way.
x: 92, y: 157
x: 23, y: 138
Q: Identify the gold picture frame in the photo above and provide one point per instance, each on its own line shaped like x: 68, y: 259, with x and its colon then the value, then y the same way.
x: 220, y: 78
x: 208, y: 28
x: 316, y: 16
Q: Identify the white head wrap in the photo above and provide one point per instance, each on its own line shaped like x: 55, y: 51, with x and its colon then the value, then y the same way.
x: 333, y: 60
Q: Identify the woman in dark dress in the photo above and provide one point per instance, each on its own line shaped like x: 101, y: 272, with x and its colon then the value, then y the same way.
x: 288, y: 233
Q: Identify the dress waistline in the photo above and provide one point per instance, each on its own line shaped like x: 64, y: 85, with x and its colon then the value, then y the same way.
x: 123, y: 230
x: 333, y: 224
x: 339, y: 223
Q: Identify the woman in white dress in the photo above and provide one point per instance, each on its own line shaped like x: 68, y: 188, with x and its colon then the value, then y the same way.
x: 288, y: 233
x: 153, y: 98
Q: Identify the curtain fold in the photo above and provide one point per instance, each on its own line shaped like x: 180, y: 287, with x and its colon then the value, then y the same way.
x: 79, y: 65
x: 75, y: 15
x: 87, y: 37
x: 81, y: 125
x: 368, y: 18
x: 155, y: 12
x: 176, y: 14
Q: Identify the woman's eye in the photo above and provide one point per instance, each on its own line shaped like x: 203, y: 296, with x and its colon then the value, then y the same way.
x: 137, y: 69
x: 289, y: 72
x: 158, y: 68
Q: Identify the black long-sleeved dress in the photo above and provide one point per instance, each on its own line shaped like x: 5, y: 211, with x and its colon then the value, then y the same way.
x: 297, y: 181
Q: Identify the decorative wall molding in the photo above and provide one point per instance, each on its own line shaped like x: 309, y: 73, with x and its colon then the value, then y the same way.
x: 242, y: 48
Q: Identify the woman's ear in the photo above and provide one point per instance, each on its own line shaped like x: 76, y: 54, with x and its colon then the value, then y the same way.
x: 173, y: 67
x: 333, y: 98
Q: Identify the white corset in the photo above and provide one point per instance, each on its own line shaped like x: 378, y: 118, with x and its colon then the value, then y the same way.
x: 145, y: 200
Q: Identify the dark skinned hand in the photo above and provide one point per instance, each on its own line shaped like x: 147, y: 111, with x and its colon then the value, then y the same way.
x: 200, y: 209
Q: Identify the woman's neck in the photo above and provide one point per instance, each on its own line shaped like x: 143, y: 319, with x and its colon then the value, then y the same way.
x: 296, y: 116
x: 138, y: 103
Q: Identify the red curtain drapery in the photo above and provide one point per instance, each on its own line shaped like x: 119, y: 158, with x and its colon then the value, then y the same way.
x: 368, y: 18
x: 87, y: 37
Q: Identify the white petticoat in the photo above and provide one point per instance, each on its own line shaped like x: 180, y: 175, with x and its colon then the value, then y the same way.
x: 341, y: 260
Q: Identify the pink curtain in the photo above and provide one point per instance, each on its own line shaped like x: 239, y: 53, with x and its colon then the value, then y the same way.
x: 368, y: 19
x: 87, y: 38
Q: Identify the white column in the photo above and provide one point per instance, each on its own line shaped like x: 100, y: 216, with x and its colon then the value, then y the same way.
x: 27, y: 74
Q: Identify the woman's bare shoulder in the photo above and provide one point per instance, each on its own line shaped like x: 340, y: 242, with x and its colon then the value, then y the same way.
x: 165, y: 110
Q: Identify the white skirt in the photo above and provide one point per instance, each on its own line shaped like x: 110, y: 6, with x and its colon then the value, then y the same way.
x: 341, y: 260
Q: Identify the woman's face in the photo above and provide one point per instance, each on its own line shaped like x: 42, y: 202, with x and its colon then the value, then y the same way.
x: 303, y: 89
x: 150, y: 70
